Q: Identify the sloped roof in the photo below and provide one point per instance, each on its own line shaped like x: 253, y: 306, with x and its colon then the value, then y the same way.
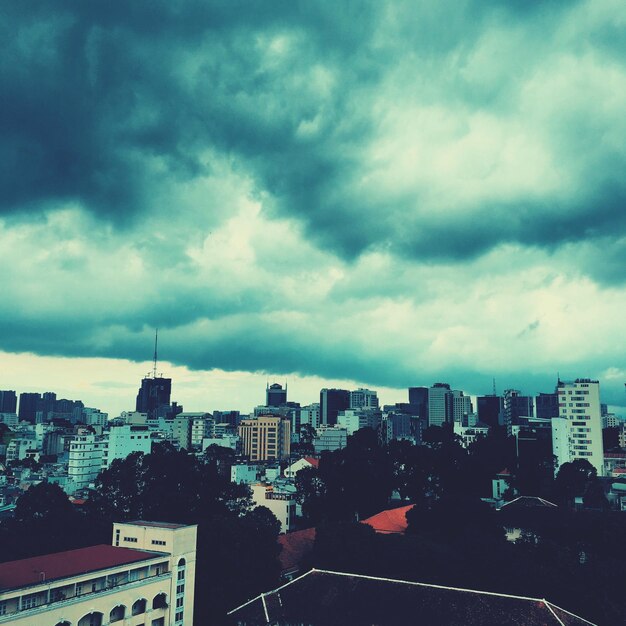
x: 389, y: 521
x: 327, y: 598
x: 314, y: 462
x: 15, y: 574
x: 529, y: 502
x: 295, y: 546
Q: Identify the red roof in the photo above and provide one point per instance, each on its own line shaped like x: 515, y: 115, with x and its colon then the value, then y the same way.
x: 314, y: 462
x: 14, y: 574
x: 504, y: 472
x: 390, y: 521
x: 295, y: 546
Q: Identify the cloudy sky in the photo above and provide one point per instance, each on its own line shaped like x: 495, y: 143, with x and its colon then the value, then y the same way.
x: 388, y: 193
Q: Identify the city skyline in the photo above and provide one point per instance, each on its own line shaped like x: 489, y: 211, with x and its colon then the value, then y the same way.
x: 387, y: 193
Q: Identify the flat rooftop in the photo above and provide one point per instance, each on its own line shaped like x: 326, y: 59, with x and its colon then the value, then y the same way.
x: 37, y: 569
x: 168, y: 525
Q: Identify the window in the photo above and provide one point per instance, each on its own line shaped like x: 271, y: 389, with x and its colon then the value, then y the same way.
x: 158, y: 542
x: 181, y: 574
x: 3, y: 608
x: 139, y: 607
x: 180, y: 588
x: 130, y: 539
x: 179, y: 616
x: 180, y: 602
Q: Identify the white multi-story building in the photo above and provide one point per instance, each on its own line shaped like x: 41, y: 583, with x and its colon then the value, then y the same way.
x: 355, y: 419
x: 610, y: 420
x: 94, y: 417
x: 310, y: 414
x: 330, y: 438
x: 85, y: 460
x: 146, y: 577
x: 22, y: 447
x: 577, y: 432
x: 364, y: 399
x: 461, y: 408
x: 121, y: 441
x: 281, y: 503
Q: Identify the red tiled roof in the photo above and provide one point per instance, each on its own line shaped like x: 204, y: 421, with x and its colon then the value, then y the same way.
x: 390, y: 521
x: 314, y: 462
x: 14, y: 574
x: 295, y: 546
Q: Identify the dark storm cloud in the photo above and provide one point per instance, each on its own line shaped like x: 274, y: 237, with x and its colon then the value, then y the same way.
x: 96, y: 93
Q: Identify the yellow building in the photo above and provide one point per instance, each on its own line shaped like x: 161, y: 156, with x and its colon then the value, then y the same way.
x: 265, y: 438
x: 146, y: 578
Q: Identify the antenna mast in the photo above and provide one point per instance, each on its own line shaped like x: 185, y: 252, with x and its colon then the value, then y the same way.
x: 156, y: 338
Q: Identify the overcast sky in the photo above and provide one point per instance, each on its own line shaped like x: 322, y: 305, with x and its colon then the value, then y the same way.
x: 388, y: 193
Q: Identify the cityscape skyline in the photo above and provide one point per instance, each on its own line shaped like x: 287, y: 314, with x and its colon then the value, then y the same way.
x: 218, y: 390
x: 344, y: 193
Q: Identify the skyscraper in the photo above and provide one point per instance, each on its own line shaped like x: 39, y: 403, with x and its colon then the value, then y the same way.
x: 28, y: 406
x: 490, y: 410
x: 577, y: 432
x: 363, y: 399
x: 331, y: 402
x: 275, y: 395
x: 153, y: 395
x: 440, y: 410
x: 547, y: 405
x: 418, y: 398
x: 8, y: 401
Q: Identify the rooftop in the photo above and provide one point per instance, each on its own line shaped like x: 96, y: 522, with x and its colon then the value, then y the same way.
x: 25, y: 572
x: 389, y: 521
x: 168, y: 525
x: 295, y: 546
x: 322, y: 597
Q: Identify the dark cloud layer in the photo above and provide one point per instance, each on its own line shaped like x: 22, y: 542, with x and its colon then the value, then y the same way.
x: 403, y: 157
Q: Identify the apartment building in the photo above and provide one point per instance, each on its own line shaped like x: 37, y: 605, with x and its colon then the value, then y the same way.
x: 146, y: 577
x: 265, y: 438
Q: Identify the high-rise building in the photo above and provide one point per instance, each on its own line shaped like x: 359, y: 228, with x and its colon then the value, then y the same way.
x: 265, y: 438
x: 85, y: 460
x: 461, y: 408
x: 418, y: 397
x: 275, y: 395
x: 490, y: 410
x: 153, y: 395
x: 364, y: 399
x: 8, y: 401
x: 28, y: 407
x: 577, y: 432
x: 547, y: 405
x: 440, y: 406
x: 331, y: 402
x: 516, y: 406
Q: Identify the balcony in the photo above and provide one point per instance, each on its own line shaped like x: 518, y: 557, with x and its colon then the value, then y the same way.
x: 109, y: 590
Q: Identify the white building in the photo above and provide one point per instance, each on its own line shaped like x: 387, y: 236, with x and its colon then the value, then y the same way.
x: 300, y: 464
x: 461, y: 408
x: 577, y: 432
x: 330, y: 438
x: 355, y: 419
x: 310, y: 414
x: 364, y: 399
x: 439, y: 404
x: 469, y: 434
x: 226, y: 441
x: 146, y: 577
x: 244, y: 473
x: 121, y: 441
x: 280, y: 503
x: 85, y: 460
x: 22, y: 447
x: 94, y: 417
x: 610, y: 420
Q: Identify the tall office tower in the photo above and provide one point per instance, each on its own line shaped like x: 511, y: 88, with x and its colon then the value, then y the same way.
x: 153, y: 395
x: 8, y: 402
x: 461, y: 408
x: 577, y: 432
x: 516, y: 406
x: 275, y: 395
x: 28, y: 407
x: 439, y: 404
x: 363, y: 399
x: 418, y: 397
x: 265, y: 438
x: 45, y: 406
x: 490, y: 410
x: 331, y: 402
x: 547, y: 405
x: 310, y: 414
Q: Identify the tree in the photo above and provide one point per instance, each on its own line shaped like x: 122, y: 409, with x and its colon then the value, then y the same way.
x: 573, y: 480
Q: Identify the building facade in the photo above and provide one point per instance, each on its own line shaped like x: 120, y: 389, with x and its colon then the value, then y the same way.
x: 577, y: 432
x: 146, y: 577
x: 265, y: 438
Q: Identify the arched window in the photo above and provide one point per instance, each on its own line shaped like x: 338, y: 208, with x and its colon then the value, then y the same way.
x: 63, y: 623
x: 182, y: 563
x: 117, y: 613
x: 180, y: 577
x: 159, y: 601
x: 91, y: 619
x: 139, y: 607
